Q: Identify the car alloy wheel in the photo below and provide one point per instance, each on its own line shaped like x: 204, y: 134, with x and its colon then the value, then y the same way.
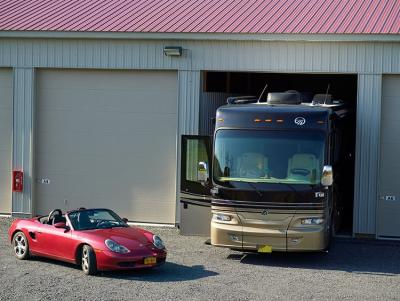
x: 21, y: 248
x: 88, y: 260
x: 85, y: 260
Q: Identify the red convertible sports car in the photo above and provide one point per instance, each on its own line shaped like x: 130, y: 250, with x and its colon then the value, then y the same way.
x: 96, y: 239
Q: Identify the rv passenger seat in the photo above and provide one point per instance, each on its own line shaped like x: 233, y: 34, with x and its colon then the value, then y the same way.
x: 252, y: 165
x: 303, y: 167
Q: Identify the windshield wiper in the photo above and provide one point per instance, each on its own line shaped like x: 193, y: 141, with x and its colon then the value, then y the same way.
x: 254, y: 187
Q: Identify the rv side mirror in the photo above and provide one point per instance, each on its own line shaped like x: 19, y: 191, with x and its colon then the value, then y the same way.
x: 202, y: 173
x: 327, y: 176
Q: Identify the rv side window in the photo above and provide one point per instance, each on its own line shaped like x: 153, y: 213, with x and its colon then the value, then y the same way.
x: 195, y: 149
x: 196, y: 152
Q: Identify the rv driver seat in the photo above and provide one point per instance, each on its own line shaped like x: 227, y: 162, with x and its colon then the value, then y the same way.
x: 252, y: 165
x: 303, y: 167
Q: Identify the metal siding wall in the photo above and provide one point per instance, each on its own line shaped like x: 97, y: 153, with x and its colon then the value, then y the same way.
x: 209, y: 102
x: 367, y: 153
x: 99, y: 54
x: 337, y: 57
x: 23, y: 136
x: 367, y: 59
x: 189, y: 90
x: 6, y: 129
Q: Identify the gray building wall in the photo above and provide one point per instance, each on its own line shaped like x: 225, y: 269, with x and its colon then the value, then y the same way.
x: 367, y: 59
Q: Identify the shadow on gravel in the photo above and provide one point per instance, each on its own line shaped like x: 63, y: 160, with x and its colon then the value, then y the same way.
x: 54, y: 262
x: 169, y: 272
x: 377, y: 258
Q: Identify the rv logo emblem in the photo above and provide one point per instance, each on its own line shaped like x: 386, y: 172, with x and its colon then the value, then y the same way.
x: 300, y: 120
x: 264, y: 212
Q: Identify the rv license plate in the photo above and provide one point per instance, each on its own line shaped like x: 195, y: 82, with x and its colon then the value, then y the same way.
x: 150, y: 260
x: 265, y: 249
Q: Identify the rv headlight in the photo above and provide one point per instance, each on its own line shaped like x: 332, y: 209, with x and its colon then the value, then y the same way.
x: 115, y: 247
x: 221, y: 217
x: 158, y: 243
x: 312, y: 221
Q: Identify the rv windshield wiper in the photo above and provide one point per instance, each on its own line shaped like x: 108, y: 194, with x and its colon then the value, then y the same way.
x: 291, y: 188
x: 254, y: 187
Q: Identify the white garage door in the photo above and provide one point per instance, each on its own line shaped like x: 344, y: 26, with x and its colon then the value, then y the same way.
x: 107, y: 139
x: 6, y: 122
x: 389, y: 188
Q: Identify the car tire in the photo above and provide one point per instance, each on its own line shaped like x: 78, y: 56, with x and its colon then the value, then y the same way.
x: 20, y: 245
x: 88, y: 260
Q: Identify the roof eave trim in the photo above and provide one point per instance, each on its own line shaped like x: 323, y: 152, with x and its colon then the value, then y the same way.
x: 202, y: 36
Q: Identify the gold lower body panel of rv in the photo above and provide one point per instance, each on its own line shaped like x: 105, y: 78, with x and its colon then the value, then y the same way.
x: 277, y: 231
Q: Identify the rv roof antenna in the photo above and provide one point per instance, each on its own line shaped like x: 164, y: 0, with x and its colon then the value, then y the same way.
x: 326, y: 94
x: 262, y: 93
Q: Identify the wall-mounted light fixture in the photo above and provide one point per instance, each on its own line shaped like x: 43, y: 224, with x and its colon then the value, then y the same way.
x: 173, y: 50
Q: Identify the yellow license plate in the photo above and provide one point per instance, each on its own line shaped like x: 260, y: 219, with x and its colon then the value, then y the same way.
x: 150, y: 260
x: 265, y: 249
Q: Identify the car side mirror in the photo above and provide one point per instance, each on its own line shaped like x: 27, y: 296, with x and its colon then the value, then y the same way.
x: 327, y: 176
x: 125, y: 220
x: 202, y: 173
x: 62, y: 225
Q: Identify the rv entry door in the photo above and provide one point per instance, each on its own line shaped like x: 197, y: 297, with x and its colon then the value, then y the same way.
x: 195, y: 196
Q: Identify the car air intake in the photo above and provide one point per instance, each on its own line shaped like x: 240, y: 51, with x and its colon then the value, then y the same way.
x: 287, y: 98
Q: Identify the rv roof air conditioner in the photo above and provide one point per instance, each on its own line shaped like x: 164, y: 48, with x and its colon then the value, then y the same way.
x: 322, y: 99
x: 235, y: 100
x: 287, y: 98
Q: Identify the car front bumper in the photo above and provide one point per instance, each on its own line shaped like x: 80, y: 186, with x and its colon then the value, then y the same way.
x: 109, y: 261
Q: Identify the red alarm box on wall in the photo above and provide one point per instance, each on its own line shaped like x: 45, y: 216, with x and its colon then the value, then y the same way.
x: 17, y: 181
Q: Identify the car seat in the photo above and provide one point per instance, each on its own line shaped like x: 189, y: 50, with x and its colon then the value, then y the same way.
x: 59, y: 219
x: 84, y: 220
x: 303, y: 167
x: 252, y: 165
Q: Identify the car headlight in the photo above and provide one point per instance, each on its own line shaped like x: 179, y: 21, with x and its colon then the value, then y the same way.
x: 312, y: 221
x: 116, y: 247
x: 158, y: 243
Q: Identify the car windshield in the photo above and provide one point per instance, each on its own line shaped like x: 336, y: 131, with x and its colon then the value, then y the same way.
x: 90, y: 219
x: 268, y: 156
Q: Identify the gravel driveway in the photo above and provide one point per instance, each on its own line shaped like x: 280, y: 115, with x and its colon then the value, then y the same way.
x: 195, y: 271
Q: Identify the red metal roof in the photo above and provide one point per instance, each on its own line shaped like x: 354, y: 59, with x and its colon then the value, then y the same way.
x: 203, y: 16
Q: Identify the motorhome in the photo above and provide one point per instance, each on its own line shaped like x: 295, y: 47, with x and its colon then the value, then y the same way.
x: 274, y: 176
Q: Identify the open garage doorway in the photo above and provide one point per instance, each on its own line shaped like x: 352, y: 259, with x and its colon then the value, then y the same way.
x: 217, y: 86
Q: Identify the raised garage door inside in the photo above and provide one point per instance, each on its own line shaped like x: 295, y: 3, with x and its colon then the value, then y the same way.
x: 389, y: 175
x: 107, y: 139
x: 6, y: 122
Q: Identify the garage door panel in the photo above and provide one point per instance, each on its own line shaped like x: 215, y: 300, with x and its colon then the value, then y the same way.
x: 6, y: 124
x: 96, y: 79
x: 109, y: 101
x: 94, y: 188
x: 107, y: 146
x: 81, y: 165
x: 389, y: 165
x: 140, y: 212
x: 390, y: 86
x: 109, y: 122
x: 5, y: 148
x: 111, y: 144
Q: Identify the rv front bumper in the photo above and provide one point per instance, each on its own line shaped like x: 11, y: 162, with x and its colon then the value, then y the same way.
x: 300, y: 239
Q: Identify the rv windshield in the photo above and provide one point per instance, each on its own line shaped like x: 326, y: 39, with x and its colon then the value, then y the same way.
x: 268, y: 156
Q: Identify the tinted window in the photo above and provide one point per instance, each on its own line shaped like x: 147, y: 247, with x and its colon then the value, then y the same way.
x: 268, y: 156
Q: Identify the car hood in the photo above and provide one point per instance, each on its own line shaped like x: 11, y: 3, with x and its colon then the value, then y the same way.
x: 130, y: 237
